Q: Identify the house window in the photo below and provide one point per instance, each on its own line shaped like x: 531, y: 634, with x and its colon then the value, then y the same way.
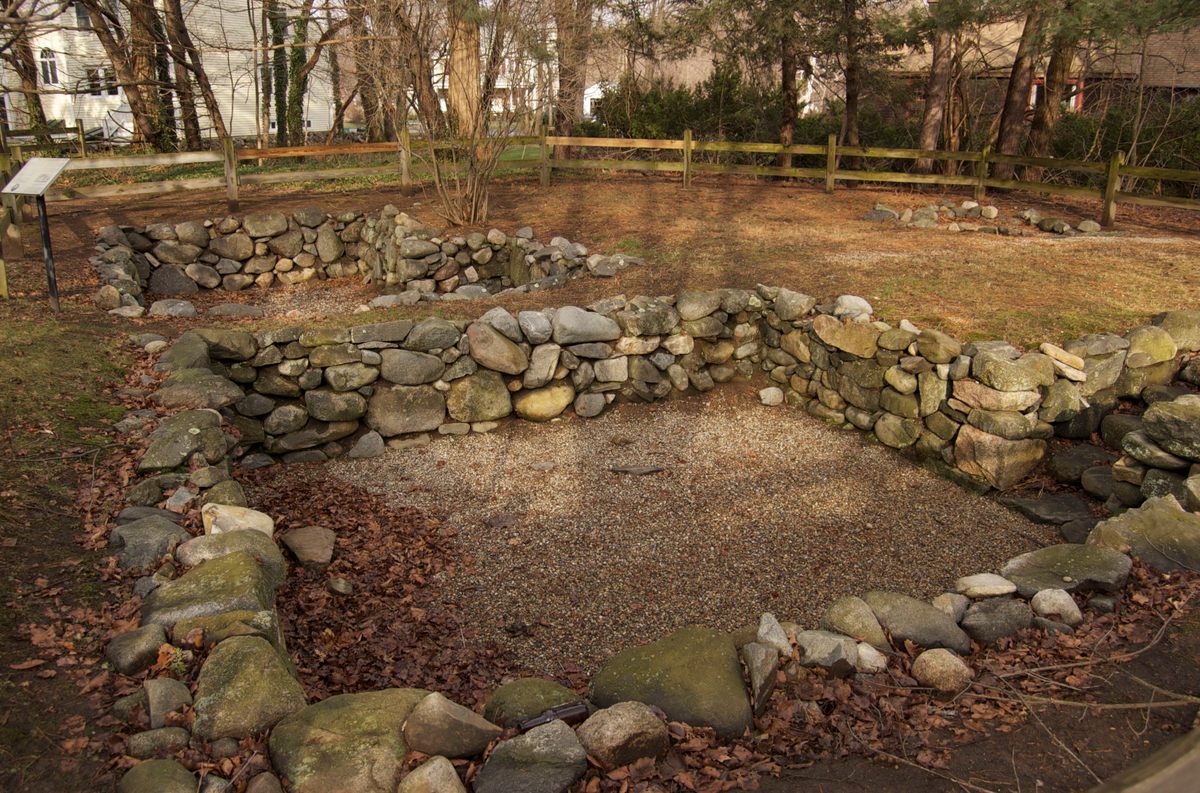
x: 49, y: 68
x: 100, y: 81
x: 82, y: 20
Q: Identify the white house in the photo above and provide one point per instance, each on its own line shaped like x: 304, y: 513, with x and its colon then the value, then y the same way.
x: 76, y: 80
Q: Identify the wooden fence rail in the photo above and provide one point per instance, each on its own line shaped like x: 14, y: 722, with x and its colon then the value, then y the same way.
x: 834, y: 163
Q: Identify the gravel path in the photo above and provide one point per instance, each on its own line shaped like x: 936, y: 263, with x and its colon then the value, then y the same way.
x: 757, y: 509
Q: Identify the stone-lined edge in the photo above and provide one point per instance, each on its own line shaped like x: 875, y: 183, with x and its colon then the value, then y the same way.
x: 1088, y: 566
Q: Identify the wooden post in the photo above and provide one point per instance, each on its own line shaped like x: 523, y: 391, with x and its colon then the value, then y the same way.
x: 82, y: 137
x: 687, y: 158
x: 544, y: 165
x: 231, y: 173
x: 830, y: 161
x: 981, y: 173
x: 1112, y: 184
x: 405, y: 159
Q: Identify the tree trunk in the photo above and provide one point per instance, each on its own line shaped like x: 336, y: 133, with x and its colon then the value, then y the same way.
x: 1016, y: 99
x: 265, y: 93
x: 183, y: 87
x: 462, y: 73
x: 297, y: 77
x: 936, y: 93
x: 142, y: 111
x: 20, y: 58
x: 852, y: 72
x: 143, y: 66
x: 573, y: 26
x: 174, y: 11
x: 279, y: 66
x: 1049, y: 110
x: 788, y: 99
x: 335, y: 84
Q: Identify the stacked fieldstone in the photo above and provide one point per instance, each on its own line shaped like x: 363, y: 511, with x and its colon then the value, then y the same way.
x: 973, y: 216
x: 214, y: 593
x: 309, y: 395
x: 392, y: 249
x: 228, y: 253
x: 414, y: 263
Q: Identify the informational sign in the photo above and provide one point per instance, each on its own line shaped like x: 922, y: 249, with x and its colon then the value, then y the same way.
x: 36, y: 176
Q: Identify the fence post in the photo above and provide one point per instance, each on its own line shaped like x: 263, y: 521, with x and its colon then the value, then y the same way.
x: 82, y: 137
x: 830, y: 161
x: 12, y: 245
x: 1112, y: 183
x: 544, y: 166
x: 981, y: 173
x: 231, y: 173
x: 687, y: 158
x: 405, y: 159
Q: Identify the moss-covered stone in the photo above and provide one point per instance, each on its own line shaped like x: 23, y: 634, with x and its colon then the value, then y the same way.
x: 693, y: 675
x: 350, y: 743
x: 243, y: 687
x: 524, y: 698
x: 231, y: 583
x: 1160, y: 533
x: 157, y: 776
x: 219, y: 627
x: 250, y: 541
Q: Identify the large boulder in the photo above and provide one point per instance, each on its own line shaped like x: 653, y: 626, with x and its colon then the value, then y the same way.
x: 144, y: 542
x: 1068, y: 566
x: 850, y: 615
x: 265, y: 224
x: 573, y: 325
x: 236, y: 582
x: 228, y: 345
x: 243, y: 687
x: 547, y: 759
x: 179, y: 437
x: 482, y: 396
x: 493, y: 350
x: 197, y: 388
x: 693, y: 675
x: 989, y: 620
x: 941, y: 670
x: 157, y: 776
x: 624, y: 733
x: 1160, y: 532
x: 432, y: 334
x: 350, y: 742
x: 1175, y: 425
x: 543, y: 404
x: 522, y: 699
x: 406, y: 367
x: 254, y: 543
x: 907, y: 618
x: 393, y: 410
x: 855, y: 338
x: 999, y: 461
x: 438, y: 726
x: 237, y: 247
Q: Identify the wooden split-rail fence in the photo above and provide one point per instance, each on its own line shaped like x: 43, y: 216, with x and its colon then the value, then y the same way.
x: 839, y: 163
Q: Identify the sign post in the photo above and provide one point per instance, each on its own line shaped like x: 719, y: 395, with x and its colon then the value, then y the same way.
x: 34, y: 179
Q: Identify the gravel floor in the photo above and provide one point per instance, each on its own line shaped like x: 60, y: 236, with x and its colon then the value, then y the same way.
x: 757, y: 509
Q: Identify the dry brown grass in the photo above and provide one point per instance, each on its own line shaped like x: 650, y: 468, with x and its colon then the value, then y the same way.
x: 739, y: 233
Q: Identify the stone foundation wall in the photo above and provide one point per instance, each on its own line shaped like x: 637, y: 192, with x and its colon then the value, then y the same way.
x: 983, y: 410
x: 411, y: 261
x: 214, y: 593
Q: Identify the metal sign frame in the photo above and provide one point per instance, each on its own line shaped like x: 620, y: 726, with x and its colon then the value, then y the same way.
x: 34, y: 179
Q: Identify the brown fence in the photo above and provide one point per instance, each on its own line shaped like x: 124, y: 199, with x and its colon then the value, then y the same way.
x: 839, y: 164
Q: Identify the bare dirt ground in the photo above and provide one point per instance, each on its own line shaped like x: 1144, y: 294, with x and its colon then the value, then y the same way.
x: 56, y: 370
x: 739, y: 233
x: 756, y: 509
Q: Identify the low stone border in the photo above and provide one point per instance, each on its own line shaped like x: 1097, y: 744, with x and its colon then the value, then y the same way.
x: 410, y: 260
x: 955, y: 405
x: 973, y: 216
